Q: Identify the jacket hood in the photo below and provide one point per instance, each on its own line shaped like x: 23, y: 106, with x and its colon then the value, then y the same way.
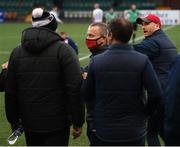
x: 35, y: 40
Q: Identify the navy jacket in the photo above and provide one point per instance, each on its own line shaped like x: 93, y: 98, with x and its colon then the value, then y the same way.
x: 116, y: 82
x: 172, y: 111
x: 161, y: 52
x: 72, y: 44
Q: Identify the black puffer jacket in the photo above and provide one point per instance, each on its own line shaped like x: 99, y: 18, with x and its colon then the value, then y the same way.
x: 3, y: 79
x: 43, y: 83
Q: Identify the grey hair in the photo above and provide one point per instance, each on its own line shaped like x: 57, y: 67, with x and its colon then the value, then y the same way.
x: 102, y: 26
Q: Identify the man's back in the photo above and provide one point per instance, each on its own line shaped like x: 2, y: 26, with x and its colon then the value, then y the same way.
x: 40, y: 67
x: 43, y: 85
x: 119, y: 106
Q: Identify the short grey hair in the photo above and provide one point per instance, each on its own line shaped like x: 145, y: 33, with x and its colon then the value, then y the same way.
x: 102, y: 26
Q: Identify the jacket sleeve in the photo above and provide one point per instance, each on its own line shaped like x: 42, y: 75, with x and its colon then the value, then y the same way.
x: 3, y: 76
x: 72, y: 81
x: 11, y: 106
x: 89, y: 85
x: 73, y: 45
x: 154, y: 91
x: 148, y: 47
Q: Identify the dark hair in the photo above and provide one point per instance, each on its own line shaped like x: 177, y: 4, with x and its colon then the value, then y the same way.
x: 121, y: 29
x: 102, y: 26
x: 63, y: 33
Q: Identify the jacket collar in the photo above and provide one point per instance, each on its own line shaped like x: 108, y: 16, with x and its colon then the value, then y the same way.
x: 156, y: 33
x: 99, y: 50
x: 120, y: 47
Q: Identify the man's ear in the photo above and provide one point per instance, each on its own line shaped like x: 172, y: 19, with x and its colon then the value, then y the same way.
x: 110, y: 36
x: 157, y: 26
x: 104, y: 39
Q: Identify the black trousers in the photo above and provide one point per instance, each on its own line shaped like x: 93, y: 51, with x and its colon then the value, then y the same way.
x: 56, y: 138
x: 172, y: 138
x: 90, y: 133
x: 156, y: 127
x: 99, y: 142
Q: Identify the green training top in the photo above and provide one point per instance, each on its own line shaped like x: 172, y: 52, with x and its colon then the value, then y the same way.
x: 110, y: 16
x: 133, y: 15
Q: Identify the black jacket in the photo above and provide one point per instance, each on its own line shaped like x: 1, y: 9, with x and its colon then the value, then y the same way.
x: 89, y: 105
x: 116, y: 82
x: 3, y: 75
x: 162, y: 53
x: 43, y: 83
x: 95, y: 52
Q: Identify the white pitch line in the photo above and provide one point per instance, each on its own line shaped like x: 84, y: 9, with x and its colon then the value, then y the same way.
x: 83, y: 58
x: 4, y: 52
x: 9, y: 37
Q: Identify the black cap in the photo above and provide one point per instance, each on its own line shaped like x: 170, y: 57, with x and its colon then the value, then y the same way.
x: 140, y: 20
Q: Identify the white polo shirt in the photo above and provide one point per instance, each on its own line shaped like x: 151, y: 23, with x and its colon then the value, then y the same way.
x: 98, y: 15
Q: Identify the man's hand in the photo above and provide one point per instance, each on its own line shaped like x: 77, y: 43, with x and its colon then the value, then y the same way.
x: 14, y: 127
x: 84, y: 75
x: 76, y: 132
x: 5, y: 65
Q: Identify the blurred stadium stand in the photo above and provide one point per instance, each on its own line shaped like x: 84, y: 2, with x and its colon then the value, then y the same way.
x: 15, y: 9
x: 105, y: 4
x: 18, y: 9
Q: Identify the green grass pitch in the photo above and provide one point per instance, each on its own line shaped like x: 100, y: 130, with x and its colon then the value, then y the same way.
x: 10, y: 34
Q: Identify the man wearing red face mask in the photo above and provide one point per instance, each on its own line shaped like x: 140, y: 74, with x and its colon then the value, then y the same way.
x: 96, y: 42
x: 96, y: 39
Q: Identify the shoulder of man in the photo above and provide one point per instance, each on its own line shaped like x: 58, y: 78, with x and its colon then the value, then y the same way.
x: 16, y: 51
x: 64, y: 50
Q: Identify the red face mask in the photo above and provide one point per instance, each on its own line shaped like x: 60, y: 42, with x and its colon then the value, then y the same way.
x: 92, y: 43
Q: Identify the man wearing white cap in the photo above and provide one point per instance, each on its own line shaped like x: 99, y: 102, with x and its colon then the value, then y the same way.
x: 43, y: 85
x: 162, y: 53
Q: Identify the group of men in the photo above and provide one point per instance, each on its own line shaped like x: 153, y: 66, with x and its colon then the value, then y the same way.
x: 131, y: 15
x: 162, y: 54
x: 123, y: 87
